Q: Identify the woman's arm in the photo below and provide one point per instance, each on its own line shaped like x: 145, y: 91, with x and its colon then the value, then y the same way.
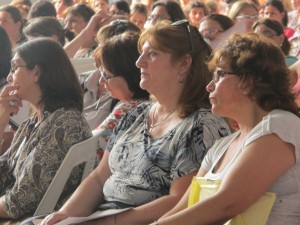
x: 237, y: 191
x: 86, y: 197
x: 88, y: 33
x: 183, y: 203
x: 149, y: 212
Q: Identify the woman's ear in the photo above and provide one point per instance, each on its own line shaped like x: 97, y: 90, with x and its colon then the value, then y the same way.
x: 37, y: 72
x: 185, y: 64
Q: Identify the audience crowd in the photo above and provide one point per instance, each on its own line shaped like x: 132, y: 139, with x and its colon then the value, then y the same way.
x: 175, y: 89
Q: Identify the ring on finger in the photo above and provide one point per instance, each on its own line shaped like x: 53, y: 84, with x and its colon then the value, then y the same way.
x: 11, y: 103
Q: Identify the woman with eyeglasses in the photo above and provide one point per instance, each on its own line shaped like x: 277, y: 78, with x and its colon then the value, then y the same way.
x: 42, y: 74
x: 213, y: 25
x: 157, y: 148
x: 245, y: 12
x: 250, y: 85
x: 274, y: 30
x: 164, y: 10
x: 121, y: 79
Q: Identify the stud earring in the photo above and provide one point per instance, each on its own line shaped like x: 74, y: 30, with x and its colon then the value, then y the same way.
x: 245, y: 91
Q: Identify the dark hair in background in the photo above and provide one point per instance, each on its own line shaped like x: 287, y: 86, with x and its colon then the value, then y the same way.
x: 280, y: 7
x: 45, y: 27
x: 5, y: 54
x: 58, y: 80
x: 256, y: 60
x: 81, y: 10
x: 125, y: 47
x: 224, y: 21
x: 14, y: 13
x: 173, y: 8
x: 122, y: 5
x: 279, y: 30
x: 41, y: 8
x: 165, y: 37
x: 114, y: 28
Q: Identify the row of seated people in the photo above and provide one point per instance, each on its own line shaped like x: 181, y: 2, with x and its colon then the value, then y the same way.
x: 159, y: 145
x: 168, y: 117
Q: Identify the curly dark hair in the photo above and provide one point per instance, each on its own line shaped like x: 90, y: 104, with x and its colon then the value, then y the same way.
x: 257, y: 61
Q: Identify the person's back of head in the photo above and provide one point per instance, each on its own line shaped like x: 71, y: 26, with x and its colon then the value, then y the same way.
x: 165, y: 37
x: 45, y: 27
x: 114, y: 28
x: 42, y: 8
x: 5, y: 54
x: 258, y: 62
x: 22, y: 2
x: 58, y: 80
x: 125, y: 46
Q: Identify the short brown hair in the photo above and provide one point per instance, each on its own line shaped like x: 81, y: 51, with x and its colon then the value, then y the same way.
x: 256, y: 60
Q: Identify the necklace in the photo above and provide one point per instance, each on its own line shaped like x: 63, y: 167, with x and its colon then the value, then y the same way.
x: 152, y: 125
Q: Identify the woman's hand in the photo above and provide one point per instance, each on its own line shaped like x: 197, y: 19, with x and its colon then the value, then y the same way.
x: 54, y: 218
x: 9, y: 105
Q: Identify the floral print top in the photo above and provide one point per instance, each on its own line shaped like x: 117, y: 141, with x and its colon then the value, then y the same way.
x: 37, y: 151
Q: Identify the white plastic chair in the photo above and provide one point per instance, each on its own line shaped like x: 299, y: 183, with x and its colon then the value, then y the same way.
x: 79, y: 153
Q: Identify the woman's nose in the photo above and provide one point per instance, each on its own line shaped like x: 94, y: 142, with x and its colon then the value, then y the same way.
x: 9, y: 78
x: 139, y: 63
x: 211, y: 86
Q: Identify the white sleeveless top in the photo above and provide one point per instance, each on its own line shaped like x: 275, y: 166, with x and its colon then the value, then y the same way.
x: 286, y: 210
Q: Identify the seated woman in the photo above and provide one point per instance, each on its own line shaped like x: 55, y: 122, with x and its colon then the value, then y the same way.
x: 42, y: 74
x: 156, y: 149
x: 121, y: 79
x: 243, y: 12
x: 98, y: 103
x: 164, y: 10
x: 250, y: 85
x: 275, y: 31
x: 76, y: 19
x: 213, y: 25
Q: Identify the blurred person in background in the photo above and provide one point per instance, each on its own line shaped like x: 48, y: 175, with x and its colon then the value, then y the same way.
x: 76, y: 20
x: 138, y: 15
x: 274, y: 30
x: 61, y: 7
x: 213, y: 25
x: 12, y: 22
x: 244, y: 12
x: 120, y: 8
x: 196, y: 10
x: 164, y: 10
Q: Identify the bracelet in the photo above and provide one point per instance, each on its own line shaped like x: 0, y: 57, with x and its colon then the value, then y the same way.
x: 115, y: 219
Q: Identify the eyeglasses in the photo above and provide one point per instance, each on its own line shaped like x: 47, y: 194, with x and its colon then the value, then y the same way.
x: 117, y: 12
x: 186, y: 24
x: 219, y: 74
x: 268, y: 34
x: 209, y: 32
x: 104, y: 75
x: 154, y: 18
x: 247, y: 17
x: 14, y: 67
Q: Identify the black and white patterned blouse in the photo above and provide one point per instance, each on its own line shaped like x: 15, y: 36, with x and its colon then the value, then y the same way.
x: 143, y: 168
x: 29, y: 165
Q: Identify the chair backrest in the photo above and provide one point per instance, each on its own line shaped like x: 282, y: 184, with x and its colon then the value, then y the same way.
x: 79, y: 153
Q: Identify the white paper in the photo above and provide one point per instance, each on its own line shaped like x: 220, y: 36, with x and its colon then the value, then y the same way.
x: 95, y: 215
